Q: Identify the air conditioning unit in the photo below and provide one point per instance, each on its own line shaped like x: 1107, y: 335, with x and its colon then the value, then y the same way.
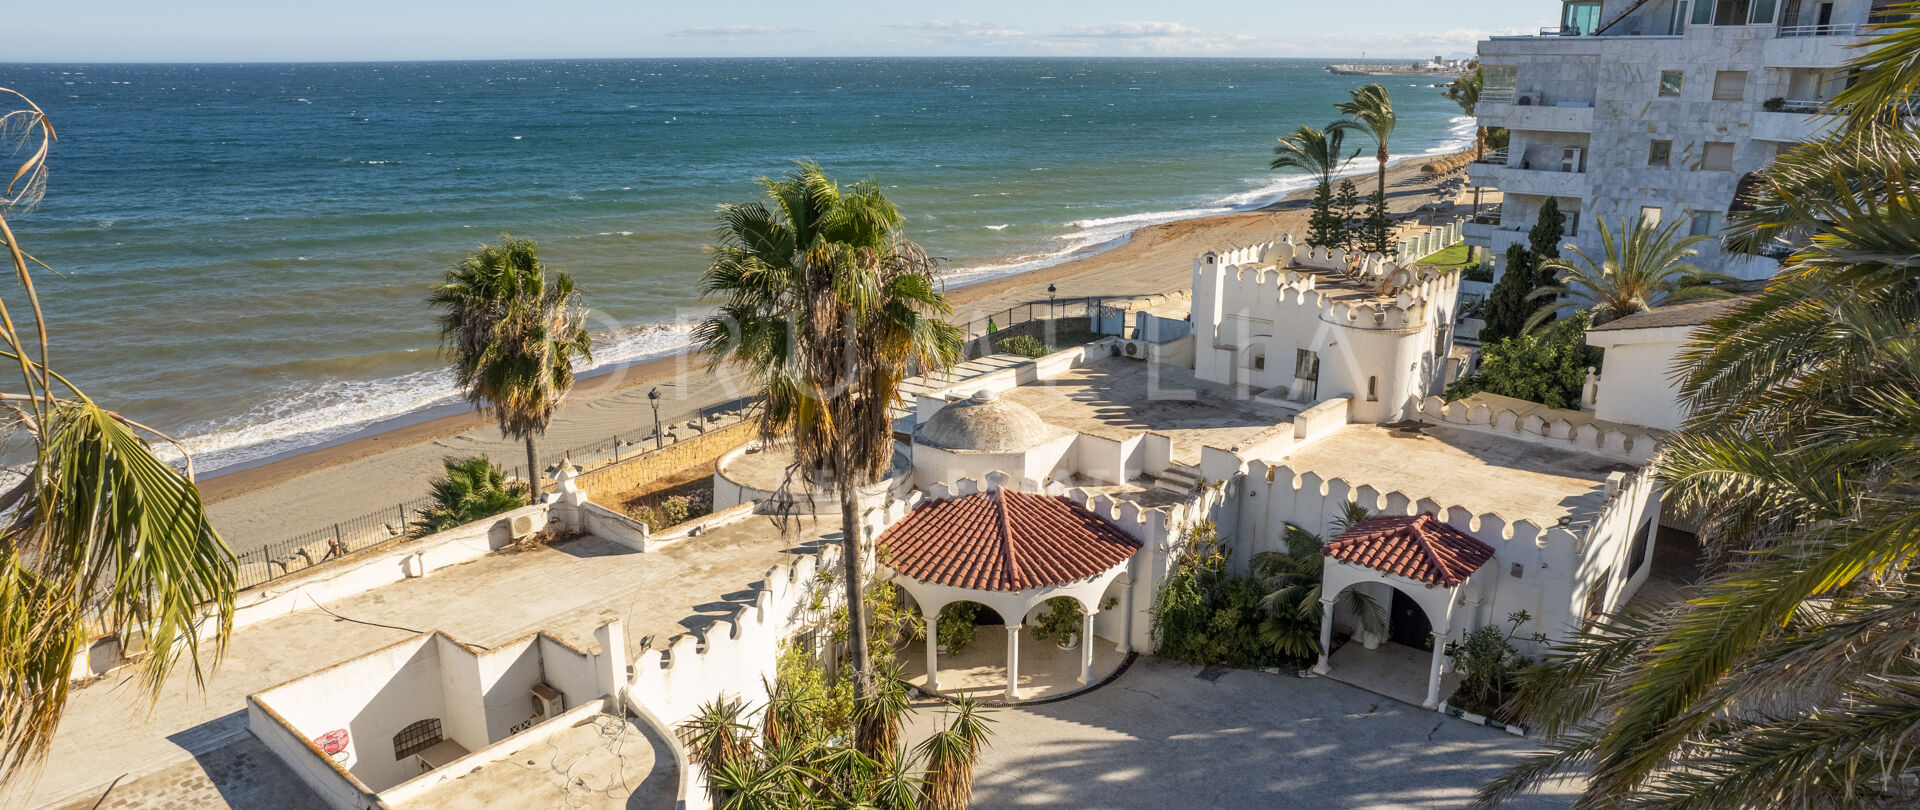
x: 522, y: 526
x: 1529, y: 99
x: 547, y: 701
x: 1570, y: 158
x: 1134, y: 349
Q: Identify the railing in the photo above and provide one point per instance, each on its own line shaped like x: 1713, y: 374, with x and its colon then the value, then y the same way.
x: 1497, y: 157
x: 1487, y: 215
x: 1496, y: 96
x: 980, y: 338
x: 616, y: 448
x: 264, y: 563
x: 1833, y: 30
x: 1801, y: 106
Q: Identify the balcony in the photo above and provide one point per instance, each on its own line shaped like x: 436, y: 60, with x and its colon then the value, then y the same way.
x: 1821, y: 46
x: 1794, y: 122
x: 1545, y: 182
x: 1537, y: 118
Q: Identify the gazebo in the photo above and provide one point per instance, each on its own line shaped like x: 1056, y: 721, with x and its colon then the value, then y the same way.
x: 1420, y: 556
x: 1010, y: 551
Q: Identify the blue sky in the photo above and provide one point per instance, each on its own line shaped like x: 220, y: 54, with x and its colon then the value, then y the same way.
x: 281, y: 30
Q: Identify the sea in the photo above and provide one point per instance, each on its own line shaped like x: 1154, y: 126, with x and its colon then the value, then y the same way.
x: 243, y: 251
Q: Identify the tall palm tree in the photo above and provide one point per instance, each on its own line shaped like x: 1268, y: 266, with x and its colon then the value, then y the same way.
x: 1644, y: 268
x: 827, y: 307
x: 1314, y: 151
x: 99, y: 536
x: 515, y: 332
x: 1465, y: 91
x: 1370, y: 108
x: 1790, y: 678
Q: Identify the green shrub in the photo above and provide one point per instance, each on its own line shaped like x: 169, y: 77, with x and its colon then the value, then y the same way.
x: 1479, y: 272
x: 675, y: 510
x: 1202, y: 615
x: 1489, y: 669
x: 1550, y: 370
x: 473, y: 488
x: 1022, y: 345
x: 956, y: 627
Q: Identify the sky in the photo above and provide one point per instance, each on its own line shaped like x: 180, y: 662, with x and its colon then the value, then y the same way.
x: 391, y: 30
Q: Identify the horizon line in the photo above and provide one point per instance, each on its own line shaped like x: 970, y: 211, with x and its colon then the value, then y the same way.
x: 398, y: 60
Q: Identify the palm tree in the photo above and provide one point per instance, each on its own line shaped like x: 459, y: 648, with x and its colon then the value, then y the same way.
x: 474, y: 488
x: 1789, y: 678
x: 1645, y: 268
x: 1314, y: 151
x: 1465, y: 91
x: 515, y: 332
x: 827, y: 308
x: 99, y: 536
x: 1292, y: 581
x: 1371, y: 109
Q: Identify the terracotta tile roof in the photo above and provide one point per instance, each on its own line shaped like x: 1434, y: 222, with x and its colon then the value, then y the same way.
x: 1003, y: 541
x: 1421, y: 547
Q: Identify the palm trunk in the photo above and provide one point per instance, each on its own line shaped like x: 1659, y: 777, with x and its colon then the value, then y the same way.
x: 533, y: 469
x: 856, y: 588
x: 1383, y: 178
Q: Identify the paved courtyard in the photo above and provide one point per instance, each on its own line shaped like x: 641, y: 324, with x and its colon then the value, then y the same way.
x: 1160, y: 737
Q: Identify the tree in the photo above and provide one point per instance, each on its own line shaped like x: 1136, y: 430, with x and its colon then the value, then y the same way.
x: 1324, y: 228
x: 473, y: 488
x: 1346, y: 209
x: 1376, y: 231
x: 1788, y: 678
x: 1291, y: 580
x: 1512, y: 298
x: 1645, y: 268
x: 514, y: 332
x: 1465, y: 92
x: 1549, y: 369
x: 1316, y: 151
x: 1549, y: 226
x: 1371, y: 109
x: 827, y: 307
x: 99, y: 535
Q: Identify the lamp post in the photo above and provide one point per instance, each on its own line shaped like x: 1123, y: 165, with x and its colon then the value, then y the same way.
x: 1051, y: 313
x: 659, y: 438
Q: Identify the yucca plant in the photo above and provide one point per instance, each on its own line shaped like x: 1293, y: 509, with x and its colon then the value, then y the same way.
x: 98, y: 535
x: 879, y: 713
x: 951, y: 753
x: 720, y: 741
x: 473, y: 488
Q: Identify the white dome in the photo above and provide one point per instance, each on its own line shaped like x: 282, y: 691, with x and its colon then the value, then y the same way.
x: 987, y: 423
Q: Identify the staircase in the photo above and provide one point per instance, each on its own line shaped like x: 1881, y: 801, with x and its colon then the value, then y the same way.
x: 1177, y: 478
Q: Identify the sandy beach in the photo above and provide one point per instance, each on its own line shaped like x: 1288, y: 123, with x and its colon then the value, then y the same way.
x: 298, y: 493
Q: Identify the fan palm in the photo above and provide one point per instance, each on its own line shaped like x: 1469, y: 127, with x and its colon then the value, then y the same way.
x: 827, y: 308
x: 514, y: 332
x: 98, y: 535
x: 1790, y: 679
x: 473, y: 488
x: 1644, y: 268
x: 1370, y: 108
x: 1314, y: 151
x: 1292, y: 581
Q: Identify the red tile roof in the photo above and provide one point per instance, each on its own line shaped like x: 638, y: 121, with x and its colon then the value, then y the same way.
x: 1003, y: 541
x: 1421, y: 547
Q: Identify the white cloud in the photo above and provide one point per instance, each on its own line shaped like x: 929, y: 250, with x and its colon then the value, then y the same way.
x: 1131, y: 30
x: 734, y: 31
x: 959, y: 29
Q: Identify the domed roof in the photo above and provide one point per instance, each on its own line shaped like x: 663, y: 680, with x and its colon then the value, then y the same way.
x: 985, y: 422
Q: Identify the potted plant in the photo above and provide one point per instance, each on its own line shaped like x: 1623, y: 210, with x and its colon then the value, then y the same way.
x: 955, y: 626
x: 1774, y: 104
x: 1061, y: 621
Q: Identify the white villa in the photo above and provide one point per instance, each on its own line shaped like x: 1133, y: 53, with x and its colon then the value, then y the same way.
x: 1305, y: 384
x: 1656, y: 109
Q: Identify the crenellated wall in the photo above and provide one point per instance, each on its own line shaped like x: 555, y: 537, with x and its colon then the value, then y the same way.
x: 1625, y: 444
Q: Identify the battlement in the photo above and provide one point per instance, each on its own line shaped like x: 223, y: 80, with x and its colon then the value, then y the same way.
x: 1485, y: 525
x: 1390, y: 297
x: 1637, y: 446
x: 1146, y: 524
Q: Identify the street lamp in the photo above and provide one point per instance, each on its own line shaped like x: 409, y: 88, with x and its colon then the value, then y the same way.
x: 1051, y: 313
x: 659, y: 438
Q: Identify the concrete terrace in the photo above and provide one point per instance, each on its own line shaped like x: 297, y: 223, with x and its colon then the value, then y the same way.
x: 1515, y: 478
x: 1116, y: 398
x: 191, y: 751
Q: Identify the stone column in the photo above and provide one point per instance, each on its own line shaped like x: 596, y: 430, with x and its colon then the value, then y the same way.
x: 1086, y: 649
x: 933, y: 651
x: 1321, y: 666
x: 1013, y: 662
x: 1125, y: 644
x: 1433, y: 672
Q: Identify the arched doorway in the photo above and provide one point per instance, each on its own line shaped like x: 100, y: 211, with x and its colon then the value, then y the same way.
x: 1407, y: 622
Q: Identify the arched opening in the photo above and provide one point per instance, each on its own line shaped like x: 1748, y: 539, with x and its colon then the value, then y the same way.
x: 1407, y: 622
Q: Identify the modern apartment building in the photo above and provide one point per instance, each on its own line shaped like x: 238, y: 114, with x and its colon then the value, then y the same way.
x: 1656, y: 109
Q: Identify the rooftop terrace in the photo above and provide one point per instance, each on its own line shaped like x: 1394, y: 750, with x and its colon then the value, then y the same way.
x: 1116, y: 398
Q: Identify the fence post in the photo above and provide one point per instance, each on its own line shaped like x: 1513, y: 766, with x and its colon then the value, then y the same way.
x: 403, y: 517
x: 339, y: 535
x: 616, y: 447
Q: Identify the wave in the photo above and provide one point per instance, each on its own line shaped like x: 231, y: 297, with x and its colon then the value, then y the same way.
x: 996, y: 227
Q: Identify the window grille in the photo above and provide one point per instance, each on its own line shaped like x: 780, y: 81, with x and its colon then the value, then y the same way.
x: 416, y: 738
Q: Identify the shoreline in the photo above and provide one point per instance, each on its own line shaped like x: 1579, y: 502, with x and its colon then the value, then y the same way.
x: 1148, y: 260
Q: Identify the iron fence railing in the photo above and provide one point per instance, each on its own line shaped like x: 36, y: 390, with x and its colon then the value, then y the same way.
x: 266, y: 562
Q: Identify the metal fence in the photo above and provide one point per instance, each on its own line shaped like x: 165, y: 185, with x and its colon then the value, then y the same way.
x: 261, y: 564
x: 983, y: 330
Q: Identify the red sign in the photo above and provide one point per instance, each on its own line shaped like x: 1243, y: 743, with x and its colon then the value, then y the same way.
x: 332, y: 742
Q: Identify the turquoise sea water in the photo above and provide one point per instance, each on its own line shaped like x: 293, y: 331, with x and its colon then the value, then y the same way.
x: 245, y: 248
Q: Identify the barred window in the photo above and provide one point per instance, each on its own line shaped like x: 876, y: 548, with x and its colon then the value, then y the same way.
x: 1306, y: 365
x: 416, y: 738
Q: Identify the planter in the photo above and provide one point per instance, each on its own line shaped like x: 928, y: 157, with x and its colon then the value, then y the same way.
x: 1071, y: 641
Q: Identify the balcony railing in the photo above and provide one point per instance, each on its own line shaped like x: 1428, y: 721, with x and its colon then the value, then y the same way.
x: 1496, y: 96
x: 1833, y: 30
x: 1497, y: 157
x: 1796, y: 105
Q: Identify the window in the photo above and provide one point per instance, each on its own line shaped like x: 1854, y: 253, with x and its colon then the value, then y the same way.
x: 1670, y: 82
x: 1729, y: 12
x: 1762, y: 13
x: 1259, y: 361
x: 1306, y: 365
x: 416, y: 738
x: 1497, y: 83
x: 1717, y: 156
x: 1582, y: 17
x: 1703, y: 12
x: 1373, y: 388
x: 1730, y: 85
x: 1650, y: 216
x: 1660, y: 153
x: 1637, y: 555
x: 1597, y: 597
x: 1704, y: 223
x: 1679, y: 17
